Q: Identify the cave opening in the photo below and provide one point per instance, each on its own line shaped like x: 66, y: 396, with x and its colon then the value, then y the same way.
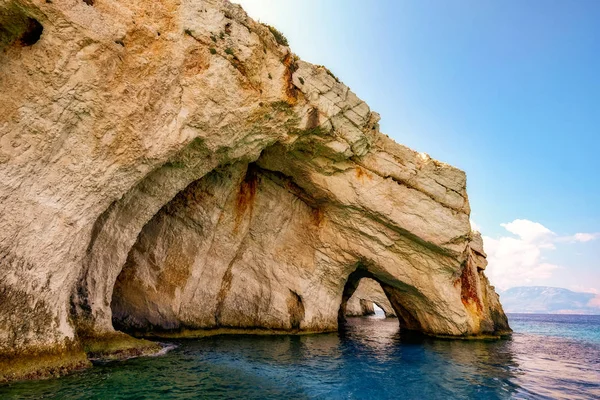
x: 197, y: 264
x: 19, y: 29
x: 32, y: 33
x: 365, y: 295
x: 224, y: 253
x: 369, y: 300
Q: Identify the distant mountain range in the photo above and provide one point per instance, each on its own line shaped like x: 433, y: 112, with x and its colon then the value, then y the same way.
x: 548, y: 300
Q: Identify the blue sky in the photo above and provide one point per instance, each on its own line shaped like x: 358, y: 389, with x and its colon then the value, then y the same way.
x: 507, y: 91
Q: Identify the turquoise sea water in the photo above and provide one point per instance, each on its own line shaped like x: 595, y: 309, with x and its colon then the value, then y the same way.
x: 548, y: 357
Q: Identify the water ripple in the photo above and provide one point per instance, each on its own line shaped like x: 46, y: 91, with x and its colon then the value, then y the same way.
x: 547, y: 358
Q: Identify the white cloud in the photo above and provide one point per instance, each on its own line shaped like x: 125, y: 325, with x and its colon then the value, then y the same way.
x: 528, y: 231
x: 516, y: 261
x: 475, y: 226
x: 520, y: 259
x: 585, y: 237
x: 579, y: 237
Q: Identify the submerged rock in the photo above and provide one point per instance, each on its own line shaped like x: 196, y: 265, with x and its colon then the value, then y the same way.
x: 181, y: 170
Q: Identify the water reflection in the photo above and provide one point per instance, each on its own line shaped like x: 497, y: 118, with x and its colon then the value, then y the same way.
x: 487, y: 369
x: 372, y: 336
x: 370, y: 359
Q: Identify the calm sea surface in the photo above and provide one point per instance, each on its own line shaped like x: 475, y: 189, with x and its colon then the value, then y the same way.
x: 548, y: 357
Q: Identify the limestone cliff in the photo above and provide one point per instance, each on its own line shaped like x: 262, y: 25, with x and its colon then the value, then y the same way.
x: 171, y: 166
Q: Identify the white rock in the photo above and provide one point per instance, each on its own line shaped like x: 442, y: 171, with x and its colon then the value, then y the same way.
x: 124, y: 150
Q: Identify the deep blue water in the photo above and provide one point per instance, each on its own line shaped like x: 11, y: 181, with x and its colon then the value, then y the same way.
x: 548, y: 357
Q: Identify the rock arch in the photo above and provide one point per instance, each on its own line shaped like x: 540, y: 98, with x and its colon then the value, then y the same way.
x: 248, y: 246
x: 105, y: 147
x: 403, y: 299
x: 367, y: 294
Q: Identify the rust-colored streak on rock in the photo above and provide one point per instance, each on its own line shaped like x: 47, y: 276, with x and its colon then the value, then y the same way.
x: 290, y: 89
x: 246, y: 195
x: 223, y: 291
x: 468, y: 282
x: 361, y: 174
x: 318, y: 216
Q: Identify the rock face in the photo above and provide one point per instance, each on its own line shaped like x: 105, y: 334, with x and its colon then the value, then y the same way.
x: 367, y: 293
x: 181, y: 169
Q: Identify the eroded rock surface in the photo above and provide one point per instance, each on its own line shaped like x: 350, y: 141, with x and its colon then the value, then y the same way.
x: 183, y: 166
